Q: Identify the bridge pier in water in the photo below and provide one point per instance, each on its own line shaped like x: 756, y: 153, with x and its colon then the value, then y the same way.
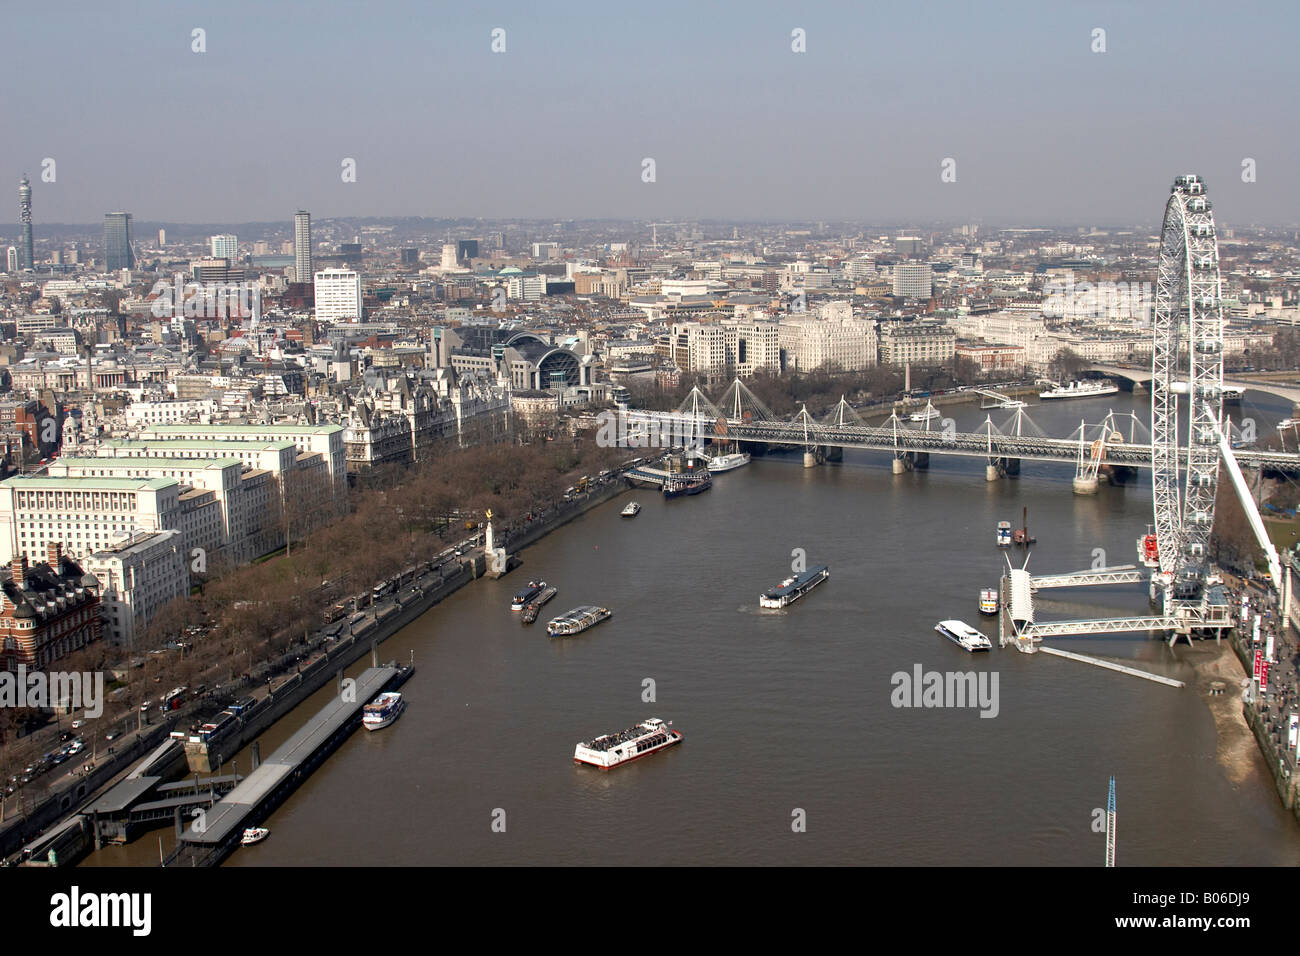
x: 910, y: 460
x: 1001, y: 468
x: 1085, y: 485
x: 814, y: 455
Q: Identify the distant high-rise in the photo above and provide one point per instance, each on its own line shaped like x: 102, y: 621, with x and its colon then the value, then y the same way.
x: 302, y: 246
x: 162, y: 238
x: 118, y: 252
x: 11, y: 259
x: 338, y: 295
x: 913, y: 279
x: 467, y: 249
x: 26, y: 257
x: 225, y: 247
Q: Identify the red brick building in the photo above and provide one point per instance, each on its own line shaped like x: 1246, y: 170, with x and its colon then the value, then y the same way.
x: 47, y: 610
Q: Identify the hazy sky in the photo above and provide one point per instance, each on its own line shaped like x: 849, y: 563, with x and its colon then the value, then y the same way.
x: 1043, y: 130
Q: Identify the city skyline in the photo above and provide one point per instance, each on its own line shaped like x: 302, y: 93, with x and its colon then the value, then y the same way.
x: 740, y: 125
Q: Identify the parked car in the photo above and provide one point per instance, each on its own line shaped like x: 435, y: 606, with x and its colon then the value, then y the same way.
x: 78, y: 724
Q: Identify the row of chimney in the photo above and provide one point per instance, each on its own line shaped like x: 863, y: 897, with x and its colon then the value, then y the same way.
x: 18, y: 566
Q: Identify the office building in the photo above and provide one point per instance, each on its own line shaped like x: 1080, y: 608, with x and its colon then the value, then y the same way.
x: 913, y: 279
x: 138, y: 577
x: 809, y: 343
x: 338, y: 296
x: 916, y: 343
x: 302, y: 246
x: 225, y: 247
x: 118, y: 252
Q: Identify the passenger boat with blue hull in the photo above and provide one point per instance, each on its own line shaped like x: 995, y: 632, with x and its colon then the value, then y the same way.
x: 527, y: 595
x: 614, y: 750
x: 794, y: 587
x: 382, y: 711
x: 964, y: 636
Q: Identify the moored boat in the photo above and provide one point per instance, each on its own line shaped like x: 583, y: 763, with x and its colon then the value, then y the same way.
x: 525, y: 595
x: 988, y: 601
x: 1004, y: 534
x: 964, y: 636
x: 728, y: 462
x: 1089, y: 388
x: 382, y: 711
x: 684, y: 483
x: 254, y: 835
x: 535, y: 606
x: 613, y: 750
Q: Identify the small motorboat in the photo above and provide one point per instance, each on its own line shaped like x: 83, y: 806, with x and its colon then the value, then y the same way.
x: 254, y: 835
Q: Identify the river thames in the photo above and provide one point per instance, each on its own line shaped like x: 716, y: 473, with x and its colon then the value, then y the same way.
x: 789, y: 711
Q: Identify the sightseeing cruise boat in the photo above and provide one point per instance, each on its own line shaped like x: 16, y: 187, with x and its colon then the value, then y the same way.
x: 535, y: 605
x: 794, y: 587
x: 929, y: 413
x: 1004, y: 534
x: 578, y: 620
x: 988, y: 601
x: 526, y: 595
x: 1089, y: 388
x: 631, y: 511
x: 382, y: 711
x: 963, y: 635
x: 613, y: 750
x: 687, y: 483
x: 729, y: 462
x: 254, y: 835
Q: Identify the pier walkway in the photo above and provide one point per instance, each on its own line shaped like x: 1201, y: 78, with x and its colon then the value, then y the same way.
x: 1111, y: 665
x: 207, y: 841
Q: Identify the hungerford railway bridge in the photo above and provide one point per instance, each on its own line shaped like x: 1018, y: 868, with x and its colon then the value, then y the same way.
x: 912, y: 443
x: 1185, y: 464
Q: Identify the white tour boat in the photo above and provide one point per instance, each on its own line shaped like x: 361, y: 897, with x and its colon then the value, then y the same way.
x: 728, y: 462
x: 963, y: 635
x: 613, y: 750
x: 254, y: 835
x: 631, y: 511
x: 1090, y: 388
x: 382, y: 711
x: 988, y: 601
